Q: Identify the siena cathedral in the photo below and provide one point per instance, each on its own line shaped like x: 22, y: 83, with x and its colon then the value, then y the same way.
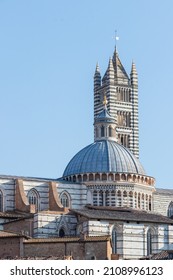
x: 104, y: 189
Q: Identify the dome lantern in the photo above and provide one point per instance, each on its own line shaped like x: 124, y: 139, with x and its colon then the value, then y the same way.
x: 104, y: 125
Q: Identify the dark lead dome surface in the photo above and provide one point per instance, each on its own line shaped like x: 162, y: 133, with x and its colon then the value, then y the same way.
x: 104, y: 156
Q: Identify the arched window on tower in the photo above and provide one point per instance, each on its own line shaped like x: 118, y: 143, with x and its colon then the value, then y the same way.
x: 33, y: 199
x: 102, y: 131
x: 170, y: 210
x: 65, y: 201
x: 110, y: 131
x: 1, y: 201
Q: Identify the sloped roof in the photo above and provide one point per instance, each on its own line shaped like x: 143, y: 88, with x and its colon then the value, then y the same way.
x: 4, y: 234
x: 121, y: 214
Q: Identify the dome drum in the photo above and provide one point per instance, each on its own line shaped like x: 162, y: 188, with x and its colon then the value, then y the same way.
x: 111, y: 177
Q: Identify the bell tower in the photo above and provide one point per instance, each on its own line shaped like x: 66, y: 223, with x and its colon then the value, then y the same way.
x: 121, y: 93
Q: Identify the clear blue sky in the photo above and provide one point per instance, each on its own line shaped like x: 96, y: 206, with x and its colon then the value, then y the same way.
x: 48, y: 53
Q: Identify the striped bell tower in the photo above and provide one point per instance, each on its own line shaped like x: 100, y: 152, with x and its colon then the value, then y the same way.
x: 121, y: 92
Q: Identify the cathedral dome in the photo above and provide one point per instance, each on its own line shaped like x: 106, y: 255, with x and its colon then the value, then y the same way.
x: 104, y: 156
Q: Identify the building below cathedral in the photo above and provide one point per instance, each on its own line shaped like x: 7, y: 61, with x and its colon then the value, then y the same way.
x: 105, y: 205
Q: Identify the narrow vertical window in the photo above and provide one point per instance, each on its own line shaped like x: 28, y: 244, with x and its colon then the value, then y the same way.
x: 149, y: 242
x: 114, y: 241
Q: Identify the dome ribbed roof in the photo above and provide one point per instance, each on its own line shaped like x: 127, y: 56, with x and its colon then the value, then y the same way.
x: 104, y: 156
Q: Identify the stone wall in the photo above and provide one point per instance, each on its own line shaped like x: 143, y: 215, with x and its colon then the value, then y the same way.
x: 24, y: 226
x: 79, y: 248
x: 11, y: 247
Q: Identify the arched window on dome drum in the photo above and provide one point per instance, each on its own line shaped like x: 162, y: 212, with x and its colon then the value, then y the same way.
x: 91, y: 177
x: 114, y: 241
x: 110, y: 177
x: 79, y: 178
x: 74, y: 178
x: 33, y: 199
x: 102, y: 131
x: 104, y: 177
x: 170, y: 210
x: 65, y: 200
x: 1, y: 201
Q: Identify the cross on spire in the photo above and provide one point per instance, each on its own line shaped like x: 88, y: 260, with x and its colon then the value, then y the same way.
x: 116, y: 38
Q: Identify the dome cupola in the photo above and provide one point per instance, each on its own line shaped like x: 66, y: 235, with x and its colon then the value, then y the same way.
x: 104, y: 125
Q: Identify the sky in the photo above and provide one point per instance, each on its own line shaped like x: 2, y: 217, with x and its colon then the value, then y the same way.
x: 48, y: 55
